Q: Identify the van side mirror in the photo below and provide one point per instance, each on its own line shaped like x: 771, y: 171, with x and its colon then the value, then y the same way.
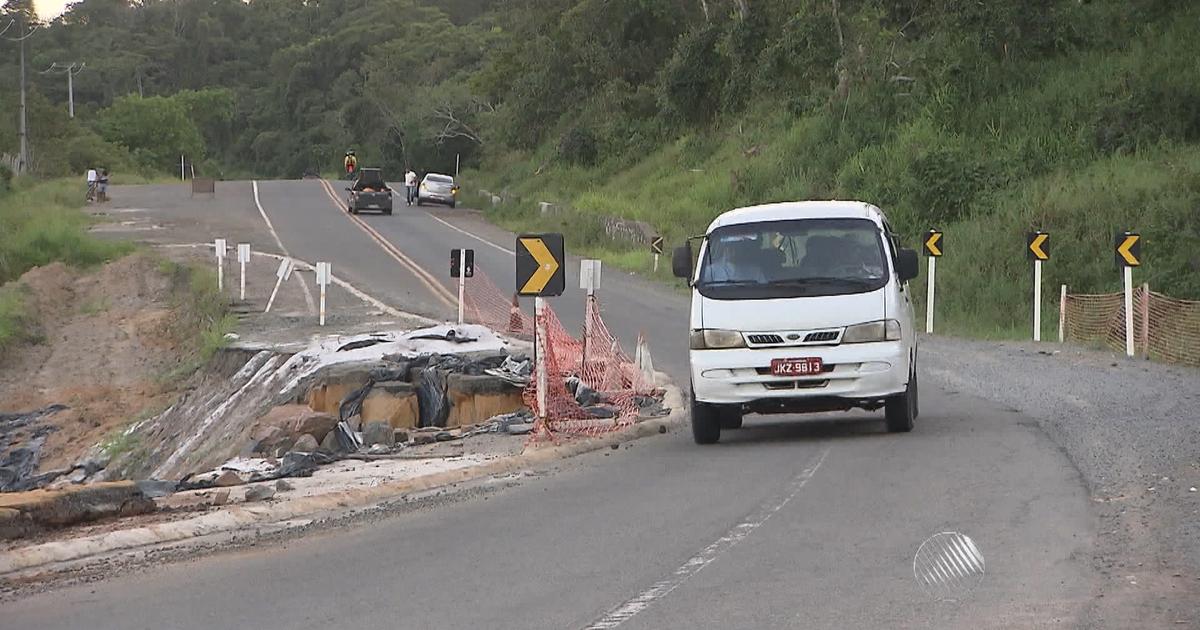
x: 909, y: 264
x: 681, y: 262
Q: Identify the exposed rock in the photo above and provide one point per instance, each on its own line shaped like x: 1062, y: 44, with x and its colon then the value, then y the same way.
x: 284, y: 486
x: 424, y: 438
x: 228, y: 478
x: 156, y: 488
x: 401, y: 436
x: 520, y: 428
x: 379, y: 433
x: 220, y: 497
x: 268, y: 438
x: 259, y: 493
x: 316, y: 424
x: 283, y: 447
x: 331, y: 444
x: 306, y: 444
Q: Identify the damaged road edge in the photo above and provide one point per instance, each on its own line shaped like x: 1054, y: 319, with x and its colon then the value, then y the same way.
x: 45, y: 559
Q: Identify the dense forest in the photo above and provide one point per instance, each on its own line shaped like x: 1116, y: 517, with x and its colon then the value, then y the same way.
x: 983, y: 118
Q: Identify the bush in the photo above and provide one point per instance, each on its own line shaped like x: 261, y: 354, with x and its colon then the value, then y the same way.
x: 578, y: 146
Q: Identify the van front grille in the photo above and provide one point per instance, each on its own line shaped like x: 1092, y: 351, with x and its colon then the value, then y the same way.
x: 764, y: 340
x: 824, y: 335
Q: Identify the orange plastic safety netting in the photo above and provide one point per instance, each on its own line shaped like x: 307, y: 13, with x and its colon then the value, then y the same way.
x: 595, y: 358
x: 1164, y: 328
x: 563, y: 412
x: 486, y: 304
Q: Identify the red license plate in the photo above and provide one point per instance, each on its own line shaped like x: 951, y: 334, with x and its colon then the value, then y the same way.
x: 796, y: 367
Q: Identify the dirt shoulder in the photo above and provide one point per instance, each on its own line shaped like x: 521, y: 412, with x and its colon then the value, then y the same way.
x: 103, y: 340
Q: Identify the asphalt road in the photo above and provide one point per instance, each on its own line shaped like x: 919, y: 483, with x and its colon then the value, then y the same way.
x: 792, y: 522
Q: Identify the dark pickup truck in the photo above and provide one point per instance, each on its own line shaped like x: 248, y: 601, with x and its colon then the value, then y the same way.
x: 369, y: 192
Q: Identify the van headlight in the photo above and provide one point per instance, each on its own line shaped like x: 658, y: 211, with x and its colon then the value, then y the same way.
x: 882, y: 330
x: 716, y: 339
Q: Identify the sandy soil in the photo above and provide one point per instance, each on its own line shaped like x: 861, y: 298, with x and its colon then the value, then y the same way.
x: 107, y: 339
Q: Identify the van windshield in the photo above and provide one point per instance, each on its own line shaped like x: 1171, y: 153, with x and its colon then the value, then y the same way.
x: 796, y: 258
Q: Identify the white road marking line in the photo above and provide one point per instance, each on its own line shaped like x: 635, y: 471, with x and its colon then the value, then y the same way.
x: 438, y: 290
x: 355, y: 291
x: 736, y: 534
x: 308, y: 296
x: 478, y: 238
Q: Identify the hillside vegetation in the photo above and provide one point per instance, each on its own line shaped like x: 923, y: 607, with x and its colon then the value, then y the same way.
x: 984, y: 119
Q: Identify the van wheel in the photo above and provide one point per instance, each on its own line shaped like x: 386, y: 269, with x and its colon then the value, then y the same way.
x: 900, y: 411
x: 706, y: 423
x: 731, y: 417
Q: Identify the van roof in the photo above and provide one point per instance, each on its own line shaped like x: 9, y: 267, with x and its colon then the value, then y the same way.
x: 800, y: 210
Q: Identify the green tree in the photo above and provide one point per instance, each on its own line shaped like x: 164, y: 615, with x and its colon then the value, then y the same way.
x: 156, y: 130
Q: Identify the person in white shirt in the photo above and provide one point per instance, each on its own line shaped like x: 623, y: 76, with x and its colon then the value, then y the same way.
x: 410, y: 186
x: 91, y: 184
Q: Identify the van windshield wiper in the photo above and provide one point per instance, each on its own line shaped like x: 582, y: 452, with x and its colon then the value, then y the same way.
x: 727, y: 283
x: 824, y: 280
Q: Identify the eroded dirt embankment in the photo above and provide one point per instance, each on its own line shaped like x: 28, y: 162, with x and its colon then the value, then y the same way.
x: 103, y: 346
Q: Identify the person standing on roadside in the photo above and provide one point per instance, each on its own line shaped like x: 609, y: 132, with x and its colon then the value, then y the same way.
x: 92, y: 177
x: 410, y: 186
x: 102, y: 186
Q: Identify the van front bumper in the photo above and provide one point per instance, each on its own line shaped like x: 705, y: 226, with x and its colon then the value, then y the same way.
x: 858, y: 372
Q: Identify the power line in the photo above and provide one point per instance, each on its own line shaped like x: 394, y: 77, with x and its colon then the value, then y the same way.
x: 70, y: 70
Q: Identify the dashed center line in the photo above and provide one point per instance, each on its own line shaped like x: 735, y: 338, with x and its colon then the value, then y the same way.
x: 696, y: 563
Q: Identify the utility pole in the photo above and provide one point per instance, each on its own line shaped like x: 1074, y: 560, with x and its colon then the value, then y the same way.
x: 70, y: 70
x: 22, y: 35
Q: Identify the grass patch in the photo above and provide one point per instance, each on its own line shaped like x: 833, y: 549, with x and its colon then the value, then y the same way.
x: 203, y: 320
x: 16, y: 323
x: 40, y: 223
x: 121, y: 442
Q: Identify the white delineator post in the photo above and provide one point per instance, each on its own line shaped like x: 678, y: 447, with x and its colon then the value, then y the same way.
x: 1128, y: 311
x: 324, y: 277
x: 182, y: 172
x: 219, y: 248
x: 1037, y: 300
x: 589, y: 280
x: 929, y: 296
x: 284, y: 271
x: 1062, y: 314
x: 539, y: 319
x: 243, y: 259
x: 462, y: 285
x: 656, y: 263
x: 1145, y: 332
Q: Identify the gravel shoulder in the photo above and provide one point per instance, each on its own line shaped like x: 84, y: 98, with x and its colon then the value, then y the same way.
x: 1130, y: 427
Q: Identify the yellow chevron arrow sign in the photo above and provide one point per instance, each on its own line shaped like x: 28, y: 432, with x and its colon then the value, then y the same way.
x: 1129, y: 249
x: 1039, y: 247
x: 933, y: 243
x: 540, y: 265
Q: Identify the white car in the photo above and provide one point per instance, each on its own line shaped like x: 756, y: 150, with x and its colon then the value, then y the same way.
x: 436, y: 188
x: 800, y: 307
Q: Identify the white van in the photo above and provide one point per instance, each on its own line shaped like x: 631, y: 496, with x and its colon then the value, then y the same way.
x: 800, y: 307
